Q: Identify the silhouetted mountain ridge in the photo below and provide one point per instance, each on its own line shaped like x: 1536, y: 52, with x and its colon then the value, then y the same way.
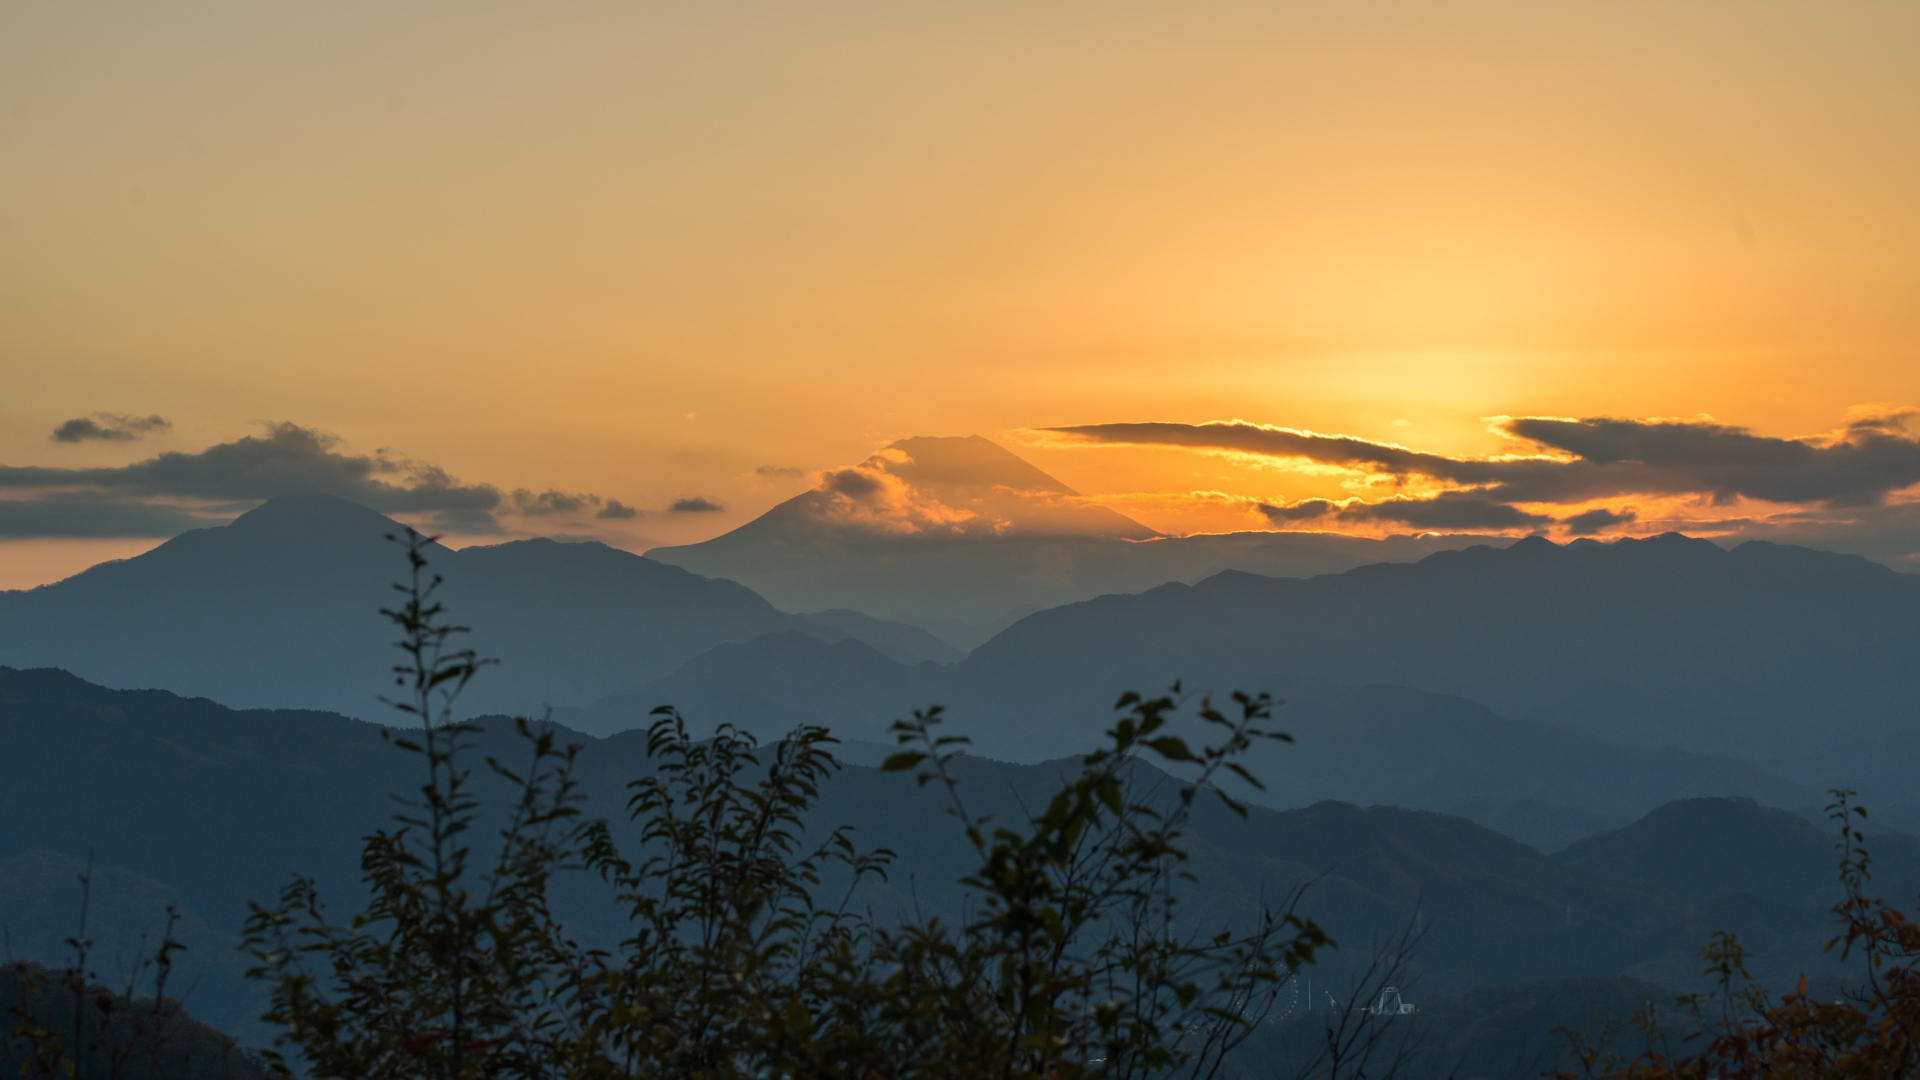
x: 281, y: 607
x: 1797, y: 659
x: 1698, y: 849
x: 1367, y: 744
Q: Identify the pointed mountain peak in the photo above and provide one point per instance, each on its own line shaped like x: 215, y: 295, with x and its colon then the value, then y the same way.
x: 933, y: 488
x: 971, y: 462
x: 311, y: 511
x: 1533, y: 545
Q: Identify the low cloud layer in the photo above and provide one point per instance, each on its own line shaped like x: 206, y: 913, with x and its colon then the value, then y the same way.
x: 97, y: 515
x: 109, y: 427
x: 1449, y: 511
x: 696, y: 505
x: 1868, y: 462
x: 550, y: 502
x: 167, y: 493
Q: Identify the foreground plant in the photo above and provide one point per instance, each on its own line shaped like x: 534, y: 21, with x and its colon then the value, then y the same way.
x: 1742, y: 1032
x: 747, y: 954
x: 67, y: 1022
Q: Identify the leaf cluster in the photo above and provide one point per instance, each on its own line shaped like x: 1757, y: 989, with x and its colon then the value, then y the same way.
x: 748, y: 952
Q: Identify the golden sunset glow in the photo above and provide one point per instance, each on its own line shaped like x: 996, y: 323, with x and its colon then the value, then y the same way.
x: 697, y: 254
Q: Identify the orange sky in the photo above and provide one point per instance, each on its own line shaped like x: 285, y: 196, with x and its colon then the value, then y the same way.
x: 641, y: 250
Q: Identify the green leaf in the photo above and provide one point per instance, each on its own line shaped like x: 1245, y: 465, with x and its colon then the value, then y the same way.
x: 1171, y: 748
x: 898, y: 762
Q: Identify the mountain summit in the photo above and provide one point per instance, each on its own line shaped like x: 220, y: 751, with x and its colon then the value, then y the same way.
x: 929, y: 488
x: 961, y: 536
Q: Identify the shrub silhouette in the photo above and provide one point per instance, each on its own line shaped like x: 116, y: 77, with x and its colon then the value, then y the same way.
x: 67, y: 1022
x: 1740, y: 1031
x: 1069, y: 962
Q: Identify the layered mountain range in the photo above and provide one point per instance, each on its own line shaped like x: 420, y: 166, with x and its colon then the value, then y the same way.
x: 182, y: 801
x: 1558, y: 762
x: 1549, y: 689
x: 282, y: 608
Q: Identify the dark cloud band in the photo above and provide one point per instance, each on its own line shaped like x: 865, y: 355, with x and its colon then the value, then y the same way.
x: 1576, y: 461
x: 170, y: 492
x: 1448, y: 511
x: 95, y: 515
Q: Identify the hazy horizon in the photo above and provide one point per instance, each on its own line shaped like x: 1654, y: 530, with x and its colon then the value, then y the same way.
x: 562, y: 272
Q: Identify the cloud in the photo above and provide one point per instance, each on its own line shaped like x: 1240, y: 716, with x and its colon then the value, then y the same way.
x: 779, y: 473
x: 109, y: 427
x: 1593, y: 521
x: 856, y: 483
x: 550, y: 502
x: 873, y: 497
x: 1304, y: 510
x: 1277, y: 443
x: 695, y: 505
x: 167, y: 493
x: 1870, y: 457
x: 1865, y: 462
x: 1890, y: 534
x: 91, y: 514
x: 615, y: 510
x: 1449, y: 510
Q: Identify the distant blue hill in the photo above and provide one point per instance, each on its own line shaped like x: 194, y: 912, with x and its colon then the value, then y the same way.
x: 1600, y: 678
x: 281, y: 608
x: 1590, y: 681
x: 1544, y: 783
x: 1805, y: 663
x: 1698, y: 849
x: 185, y: 801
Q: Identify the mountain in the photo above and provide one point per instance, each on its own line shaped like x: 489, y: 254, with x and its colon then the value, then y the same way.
x: 1370, y: 744
x: 185, y: 801
x: 281, y: 607
x: 1799, y: 661
x: 936, y: 488
x: 899, y: 641
x: 962, y: 537
x: 1698, y: 849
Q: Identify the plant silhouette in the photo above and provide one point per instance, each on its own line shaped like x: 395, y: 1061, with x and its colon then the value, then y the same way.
x: 748, y: 953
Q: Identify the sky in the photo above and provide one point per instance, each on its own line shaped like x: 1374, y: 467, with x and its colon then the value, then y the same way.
x: 522, y: 270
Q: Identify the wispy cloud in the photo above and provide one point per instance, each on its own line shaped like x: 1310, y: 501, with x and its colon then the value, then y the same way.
x: 109, y: 427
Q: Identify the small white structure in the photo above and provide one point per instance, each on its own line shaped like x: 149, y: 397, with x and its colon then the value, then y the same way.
x: 1390, y: 1004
